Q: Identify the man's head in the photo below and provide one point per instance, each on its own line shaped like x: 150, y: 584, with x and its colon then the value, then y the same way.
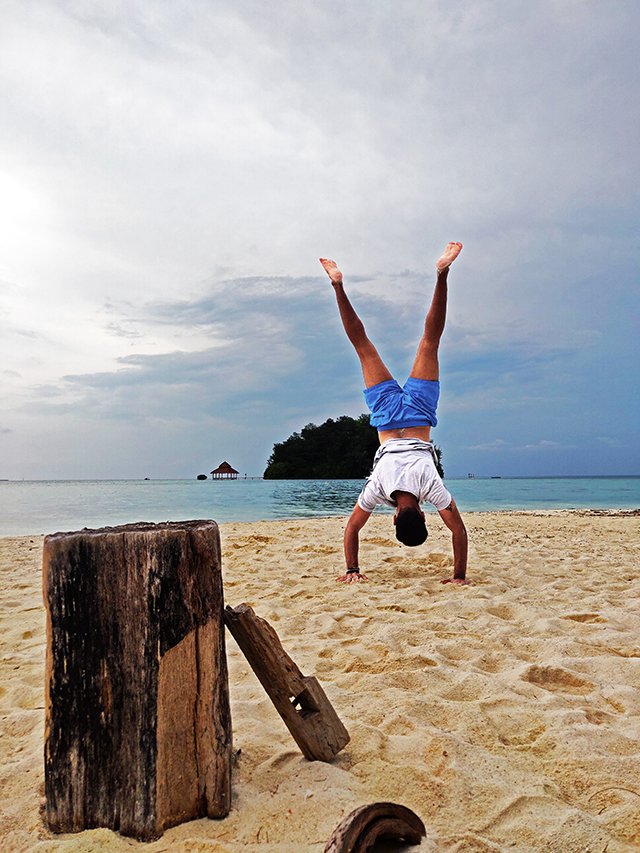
x: 409, y: 520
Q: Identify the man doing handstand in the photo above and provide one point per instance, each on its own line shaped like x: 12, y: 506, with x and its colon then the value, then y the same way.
x: 404, y: 473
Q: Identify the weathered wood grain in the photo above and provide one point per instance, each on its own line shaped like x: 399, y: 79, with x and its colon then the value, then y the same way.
x: 298, y: 698
x: 137, y: 726
x: 364, y: 826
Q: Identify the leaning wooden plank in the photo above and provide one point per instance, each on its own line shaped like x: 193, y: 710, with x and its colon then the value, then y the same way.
x: 364, y: 826
x: 137, y: 723
x: 298, y: 698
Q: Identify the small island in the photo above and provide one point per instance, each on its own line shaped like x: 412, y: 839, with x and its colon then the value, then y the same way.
x: 340, y: 449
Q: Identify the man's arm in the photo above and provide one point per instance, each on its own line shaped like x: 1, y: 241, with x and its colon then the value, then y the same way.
x: 356, y: 522
x: 454, y: 522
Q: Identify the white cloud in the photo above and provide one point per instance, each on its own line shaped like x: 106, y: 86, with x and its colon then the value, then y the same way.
x: 543, y: 444
x: 496, y: 444
x: 610, y: 441
x: 500, y: 444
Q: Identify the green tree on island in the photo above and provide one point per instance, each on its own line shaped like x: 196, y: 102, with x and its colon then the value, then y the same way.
x: 341, y: 449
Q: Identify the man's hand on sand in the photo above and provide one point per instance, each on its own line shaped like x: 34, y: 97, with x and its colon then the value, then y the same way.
x: 451, y: 252
x: 352, y: 577
x: 457, y: 581
x: 331, y: 268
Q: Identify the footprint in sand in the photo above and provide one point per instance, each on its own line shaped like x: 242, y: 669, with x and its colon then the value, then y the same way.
x: 316, y: 549
x: 440, y: 560
x: 468, y: 689
x: 387, y: 665
x: 398, y: 723
x: 544, y: 812
x: 489, y: 663
x: 555, y: 678
x: 597, y: 718
x: 512, y: 725
x: 376, y: 540
x: 585, y: 617
x: 502, y: 611
x: 252, y: 541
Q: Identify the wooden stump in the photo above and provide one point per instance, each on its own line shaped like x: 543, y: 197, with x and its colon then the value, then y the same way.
x: 298, y: 698
x: 137, y: 723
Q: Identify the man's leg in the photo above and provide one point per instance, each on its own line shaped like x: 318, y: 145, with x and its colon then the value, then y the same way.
x: 373, y: 368
x: 426, y: 365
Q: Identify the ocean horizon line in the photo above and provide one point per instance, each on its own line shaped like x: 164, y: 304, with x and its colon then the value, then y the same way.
x: 255, y: 477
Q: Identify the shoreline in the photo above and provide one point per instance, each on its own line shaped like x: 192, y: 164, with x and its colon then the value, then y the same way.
x: 505, y: 713
x: 621, y: 512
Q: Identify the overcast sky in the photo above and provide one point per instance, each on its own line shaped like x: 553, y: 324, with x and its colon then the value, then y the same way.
x: 171, y: 171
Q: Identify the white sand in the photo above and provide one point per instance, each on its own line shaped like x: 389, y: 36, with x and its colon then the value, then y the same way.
x: 506, y: 713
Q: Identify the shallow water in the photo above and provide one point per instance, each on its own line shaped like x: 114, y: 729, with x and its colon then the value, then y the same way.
x: 46, y: 506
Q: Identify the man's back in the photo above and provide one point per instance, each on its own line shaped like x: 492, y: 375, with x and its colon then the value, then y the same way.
x: 404, y: 465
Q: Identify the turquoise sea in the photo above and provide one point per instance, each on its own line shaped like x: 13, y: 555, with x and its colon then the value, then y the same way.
x: 32, y: 507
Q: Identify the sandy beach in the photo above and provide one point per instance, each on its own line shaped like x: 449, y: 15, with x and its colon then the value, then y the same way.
x: 506, y: 713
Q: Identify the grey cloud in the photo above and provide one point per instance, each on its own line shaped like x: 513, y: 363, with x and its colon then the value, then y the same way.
x: 215, y: 137
x: 277, y: 345
x: 121, y: 330
x: 503, y: 367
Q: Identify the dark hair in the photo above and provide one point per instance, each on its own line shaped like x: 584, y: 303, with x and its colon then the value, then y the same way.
x: 410, y: 526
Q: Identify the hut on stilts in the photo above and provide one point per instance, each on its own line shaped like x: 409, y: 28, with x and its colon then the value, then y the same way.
x: 224, y: 472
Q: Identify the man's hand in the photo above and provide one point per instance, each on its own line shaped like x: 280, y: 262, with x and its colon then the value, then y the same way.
x: 356, y: 522
x: 352, y: 577
x: 454, y: 522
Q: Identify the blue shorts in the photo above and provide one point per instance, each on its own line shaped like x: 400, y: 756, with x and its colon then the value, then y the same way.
x: 393, y: 407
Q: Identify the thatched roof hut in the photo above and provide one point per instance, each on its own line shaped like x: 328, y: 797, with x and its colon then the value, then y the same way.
x: 225, y: 472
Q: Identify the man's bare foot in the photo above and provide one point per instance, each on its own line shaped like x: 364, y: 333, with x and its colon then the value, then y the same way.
x: 352, y: 577
x: 456, y: 581
x: 331, y: 268
x: 451, y: 252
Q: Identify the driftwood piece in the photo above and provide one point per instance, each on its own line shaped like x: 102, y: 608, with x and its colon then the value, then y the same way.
x: 364, y: 826
x: 137, y: 720
x: 298, y: 698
